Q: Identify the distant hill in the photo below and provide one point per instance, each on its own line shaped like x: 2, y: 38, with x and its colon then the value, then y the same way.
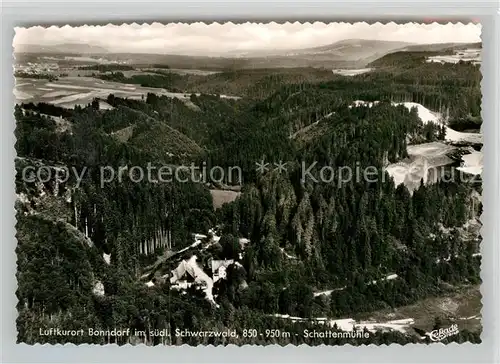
x: 438, y: 47
x: 415, y: 55
x: 363, y: 51
x: 353, y: 49
x: 70, y: 48
x: 345, y: 53
x: 348, y: 53
x: 346, y: 47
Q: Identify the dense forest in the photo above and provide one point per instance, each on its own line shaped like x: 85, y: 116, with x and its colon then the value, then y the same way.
x: 303, y: 236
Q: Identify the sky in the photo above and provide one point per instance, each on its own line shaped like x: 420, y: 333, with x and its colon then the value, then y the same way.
x: 202, y: 39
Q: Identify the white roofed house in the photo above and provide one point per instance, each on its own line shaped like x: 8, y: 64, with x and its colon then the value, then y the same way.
x: 187, y: 273
x: 219, y: 268
x: 184, y: 275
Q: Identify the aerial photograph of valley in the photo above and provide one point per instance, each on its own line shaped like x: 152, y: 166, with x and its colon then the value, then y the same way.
x: 248, y: 183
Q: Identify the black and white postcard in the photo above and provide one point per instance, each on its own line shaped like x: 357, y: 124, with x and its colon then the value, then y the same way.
x: 248, y: 183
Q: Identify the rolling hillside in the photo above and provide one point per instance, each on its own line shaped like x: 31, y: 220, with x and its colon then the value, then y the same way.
x: 350, y: 53
x: 71, y: 48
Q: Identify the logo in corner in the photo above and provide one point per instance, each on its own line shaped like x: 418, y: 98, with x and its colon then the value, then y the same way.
x: 438, y: 335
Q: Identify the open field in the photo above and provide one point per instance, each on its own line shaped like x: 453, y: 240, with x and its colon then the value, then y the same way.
x: 71, y: 91
x: 466, y: 55
x: 220, y: 197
